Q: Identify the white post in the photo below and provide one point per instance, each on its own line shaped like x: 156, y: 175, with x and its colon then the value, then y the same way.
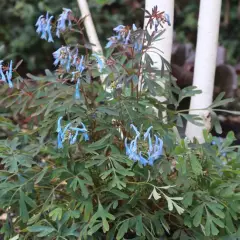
x: 205, y: 63
x: 89, y: 26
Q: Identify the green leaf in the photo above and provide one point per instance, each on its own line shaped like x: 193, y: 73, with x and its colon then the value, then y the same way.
x: 103, y: 142
x: 216, y: 209
x: 94, y: 229
x: 229, y: 223
x: 104, y: 215
x: 34, y: 219
x: 139, y: 226
x: 187, y: 200
x: 15, y: 237
x: 123, y: 229
x: 197, y: 214
x: 43, y: 230
x: 23, y: 208
x: 195, y: 164
x: 56, y: 214
x: 120, y: 194
x: 41, y: 175
x: 87, y: 209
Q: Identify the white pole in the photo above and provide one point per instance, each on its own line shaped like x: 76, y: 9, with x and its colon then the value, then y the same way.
x: 89, y: 26
x: 205, y: 63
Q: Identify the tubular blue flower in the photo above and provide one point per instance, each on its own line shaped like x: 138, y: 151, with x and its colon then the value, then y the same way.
x: 39, y: 24
x: 147, y: 133
x: 44, y: 27
x: 59, y: 127
x: 86, y: 137
x: 9, y: 75
x: 128, y: 37
x: 127, y: 147
x: 134, y: 28
x: 63, y: 57
x: 80, y: 67
x: 57, y: 56
x: 65, y: 130
x: 61, y: 22
x: 167, y: 18
x: 74, y: 138
x: 68, y: 65
x: 48, y: 29
x: 143, y: 160
x: 135, y: 130
x: 77, y: 92
x: 157, y: 150
x: 112, y: 40
x: 75, y: 56
x: 59, y: 131
x: 3, y: 78
x: 119, y: 28
x: 59, y: 141
x: 153, y: 152
x: 99, y: 61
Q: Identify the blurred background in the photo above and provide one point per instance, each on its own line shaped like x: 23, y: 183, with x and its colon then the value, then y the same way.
x: 18, y: 39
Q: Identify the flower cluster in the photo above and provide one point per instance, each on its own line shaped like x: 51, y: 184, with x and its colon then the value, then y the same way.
x: 61, y: 22
x: 67, y: 59
x: 8, y: 78
x: 157, y: 18
x: 154, y: 150
x: 44, y: 25
x: 126, y: 35
x: 70, y: 133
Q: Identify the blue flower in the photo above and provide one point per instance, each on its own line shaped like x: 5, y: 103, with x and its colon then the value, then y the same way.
x: 77, y: 92
x: 72, y: 138
x: 48, y: 29
x: 65, y: 130
x: 119, y: 29
x: 143, y: 160
x: 59, y: 127
x: 3, y: 78
x: 153, y: 151
x: 86, y: 137
x: 75, y: 57
x: 128, y: 37
x: 59, y: 131
x: 9, y: 75
x: 61, y: 22
x: 59, y: 141
x: 40, y: 24
x: 134, y: 28
x: 44, y: 27
x: 80, y: 67
x: 99, y: 61
x: 135, y: 129
x: 112, y: 40
x: 63, y: 57
x: 147, y: 133
x: 167, y: 19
